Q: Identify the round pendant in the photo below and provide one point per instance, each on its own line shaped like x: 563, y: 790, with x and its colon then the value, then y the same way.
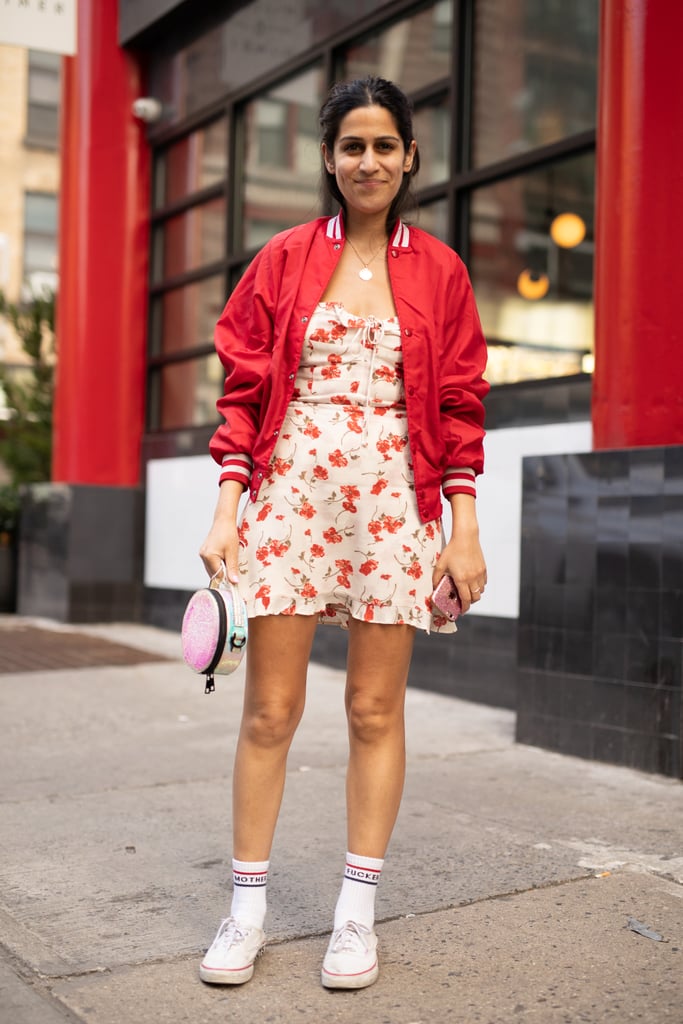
x: 365, y: 274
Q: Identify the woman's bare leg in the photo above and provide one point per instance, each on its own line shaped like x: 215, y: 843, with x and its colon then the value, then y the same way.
x: 277, y: 659
x: 377, y: 673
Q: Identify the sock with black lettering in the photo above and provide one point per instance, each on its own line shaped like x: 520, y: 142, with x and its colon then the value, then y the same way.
x: 357, y: 897
x: 249, y: 879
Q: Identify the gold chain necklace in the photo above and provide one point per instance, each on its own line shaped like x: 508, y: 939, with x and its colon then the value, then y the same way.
x: 366, y: 274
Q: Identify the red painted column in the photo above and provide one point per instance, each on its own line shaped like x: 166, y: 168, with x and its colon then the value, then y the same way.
x: 103, y: 258
x: 638, y: 380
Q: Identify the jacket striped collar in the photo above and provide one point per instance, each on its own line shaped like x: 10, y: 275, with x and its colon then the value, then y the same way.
x: 400, y: 240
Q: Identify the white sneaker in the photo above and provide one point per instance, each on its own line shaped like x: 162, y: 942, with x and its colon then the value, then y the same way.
x: 230, y: 958
x: 351, y: 958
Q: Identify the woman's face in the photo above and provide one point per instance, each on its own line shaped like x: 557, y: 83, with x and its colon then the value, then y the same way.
x: 368, y: 159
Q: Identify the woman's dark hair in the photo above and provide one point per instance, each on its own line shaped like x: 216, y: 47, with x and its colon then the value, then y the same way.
x: 367, y: 92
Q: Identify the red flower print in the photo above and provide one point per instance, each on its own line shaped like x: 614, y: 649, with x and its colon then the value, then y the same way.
x: 330, y: 372
x: 398, y: 443
x: 308, y: 591
x: 263, y: 513
x: 279, y: 548
x: 343, y: 565
x: 385, y: 576
x: 378, y: 486
x: 406, y: 548
x: 429, y: 530
x: 415, y: 570
x: 263, y: 594
x: 317, y: 551
x: 262, y: 555
x: 369, y: 613
x: 391, y: 524
x: 368, y: 566
x: 310, y: 430
x: 281, y: 466
x: 375, y: 528
x: 336, y: 458
x: 354, y: 424
x: 355, y: 384
x: 332, y: 536
x: 305, y: 509
x: 290, y: 610
x: 385, y: 373
x: 320, y: 473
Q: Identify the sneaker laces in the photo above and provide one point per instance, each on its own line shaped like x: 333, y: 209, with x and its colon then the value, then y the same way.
x: 350, y: 938
x: 230, y: 933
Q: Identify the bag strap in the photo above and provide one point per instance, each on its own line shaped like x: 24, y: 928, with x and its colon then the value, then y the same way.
x: 238, y: 637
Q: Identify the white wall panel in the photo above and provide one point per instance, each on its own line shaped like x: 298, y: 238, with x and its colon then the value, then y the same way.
x: 181, y: 495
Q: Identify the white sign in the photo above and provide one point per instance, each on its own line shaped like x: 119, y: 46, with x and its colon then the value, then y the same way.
x: 39, y: 24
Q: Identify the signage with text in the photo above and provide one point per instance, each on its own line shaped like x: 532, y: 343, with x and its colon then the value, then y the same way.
x: 39, y: 24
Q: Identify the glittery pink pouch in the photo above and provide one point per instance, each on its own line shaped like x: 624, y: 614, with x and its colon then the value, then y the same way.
x: 214, y: 630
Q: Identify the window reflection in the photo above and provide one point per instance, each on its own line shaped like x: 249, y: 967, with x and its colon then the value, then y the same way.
x: 432, y: 126
x: 184, y: 318
x: 534, y: 74
x: 189, y: 240
x: 434, y: 219
x: 549, y: 336
x: 413, y: 53
x: 184, y: 394
x: 282, y: 159
x: 194, y: 163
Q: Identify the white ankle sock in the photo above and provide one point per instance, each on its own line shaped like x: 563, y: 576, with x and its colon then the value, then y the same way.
x: 249, y: 891
x: 357, y: 897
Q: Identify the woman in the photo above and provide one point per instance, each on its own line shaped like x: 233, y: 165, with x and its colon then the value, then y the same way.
x: 354, y: 359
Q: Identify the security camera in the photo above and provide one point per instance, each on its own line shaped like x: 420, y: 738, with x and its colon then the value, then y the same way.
x: 147, y: 109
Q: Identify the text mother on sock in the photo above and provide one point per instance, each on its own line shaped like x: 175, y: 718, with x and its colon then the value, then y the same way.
x: 354, y: 357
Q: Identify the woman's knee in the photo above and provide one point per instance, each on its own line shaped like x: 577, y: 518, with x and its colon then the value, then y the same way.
x: 372, y: 718
x: 271, y: 724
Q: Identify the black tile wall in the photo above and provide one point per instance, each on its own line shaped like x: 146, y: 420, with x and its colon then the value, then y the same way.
x: 600, y: 639
x: 81, y: 552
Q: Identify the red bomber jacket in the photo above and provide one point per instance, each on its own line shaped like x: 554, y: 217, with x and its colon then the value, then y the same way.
x: 260, y: 336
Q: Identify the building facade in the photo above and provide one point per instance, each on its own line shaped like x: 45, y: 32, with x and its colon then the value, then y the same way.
x: 29, y: 184
x: 514, y: 100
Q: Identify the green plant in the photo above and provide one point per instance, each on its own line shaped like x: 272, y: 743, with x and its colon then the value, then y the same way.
x: 9, y: 514
x: 26, y: 432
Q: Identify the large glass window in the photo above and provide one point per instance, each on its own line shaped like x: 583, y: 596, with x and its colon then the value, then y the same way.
x: 413, y: 52
x: 40, y: 240
x: 531, y: 263
x: 535, y: 69
x: 184, y: 317
x: 527, y: 69
x: 42, y: 115
x: 183, y: 394
x: 189, y: 240
x: 197, y: 161
x: 282, y: 158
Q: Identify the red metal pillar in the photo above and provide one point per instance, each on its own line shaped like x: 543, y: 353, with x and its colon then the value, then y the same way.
x: 638, y: 380
x: 103, y: 256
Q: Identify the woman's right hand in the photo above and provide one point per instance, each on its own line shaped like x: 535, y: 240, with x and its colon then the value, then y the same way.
x: 222, y: 543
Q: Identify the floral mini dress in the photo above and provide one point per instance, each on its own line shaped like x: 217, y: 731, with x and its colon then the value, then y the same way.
x: 335, y: 530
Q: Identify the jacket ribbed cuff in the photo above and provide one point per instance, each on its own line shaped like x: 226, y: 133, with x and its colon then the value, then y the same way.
x: 459, y: 480
x: 236, y: 467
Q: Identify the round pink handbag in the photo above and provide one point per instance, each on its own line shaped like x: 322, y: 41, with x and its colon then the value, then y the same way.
x: 214, y: 630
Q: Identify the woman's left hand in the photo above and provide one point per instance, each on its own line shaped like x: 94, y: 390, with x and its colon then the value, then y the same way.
x: 462, y: 558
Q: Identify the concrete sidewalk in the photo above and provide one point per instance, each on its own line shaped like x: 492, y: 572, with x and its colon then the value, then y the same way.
x: 506, y: 895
